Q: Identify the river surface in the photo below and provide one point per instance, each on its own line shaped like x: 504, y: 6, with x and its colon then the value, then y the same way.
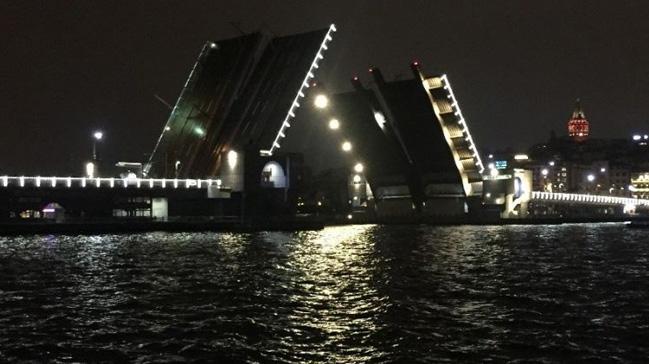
x: 348, y: 294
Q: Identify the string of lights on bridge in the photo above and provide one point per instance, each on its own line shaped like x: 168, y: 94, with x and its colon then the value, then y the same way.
x: 301, y: 92
x: 584, y: 198
x: 83, y: 182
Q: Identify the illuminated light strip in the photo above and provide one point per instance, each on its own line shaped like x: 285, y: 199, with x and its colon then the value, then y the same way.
x: 609, y: 200
x: 305, y: 84
x: 454, y: 103
x: 8, y: 181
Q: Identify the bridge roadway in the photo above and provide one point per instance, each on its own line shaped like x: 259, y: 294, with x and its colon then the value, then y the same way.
x: 83, y: 182
x: 69, y: 182
x: 574, y: 198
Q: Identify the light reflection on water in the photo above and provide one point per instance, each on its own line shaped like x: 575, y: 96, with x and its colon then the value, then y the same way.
x: 348, y: 294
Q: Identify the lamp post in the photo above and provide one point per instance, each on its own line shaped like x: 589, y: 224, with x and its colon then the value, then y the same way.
x: 96, y: 137
x: 91, y: 167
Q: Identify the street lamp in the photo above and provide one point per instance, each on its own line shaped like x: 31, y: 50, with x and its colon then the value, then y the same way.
x: 347, y: 146
x: 96, y: 137
x: 321, y: 101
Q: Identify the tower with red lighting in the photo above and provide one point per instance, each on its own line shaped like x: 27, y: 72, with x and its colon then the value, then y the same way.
x: 578, y: 127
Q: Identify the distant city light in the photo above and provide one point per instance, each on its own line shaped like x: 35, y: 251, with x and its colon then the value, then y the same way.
x: 321, y: 101
x: 357, y: 178
x: 491, y: 156
x: 544, y: 172
x: 167, y: 128
x: 491, y: 166
x: 494, y: 172
x: 591, y: 177
x: 347, y: 146
x: 551, y: 163
x: 602, y: 169
x: 501, y: 164
x: 98, y: 135
x: 359, y: 168
x: 521, y: 157
x: 334, y: 124
x: 349, y: 217
x: 198, y: 130
x: 637, y: 137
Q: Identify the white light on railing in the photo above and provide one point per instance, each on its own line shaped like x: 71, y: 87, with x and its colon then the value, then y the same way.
x: 305, y: 84
x: 454, y: 103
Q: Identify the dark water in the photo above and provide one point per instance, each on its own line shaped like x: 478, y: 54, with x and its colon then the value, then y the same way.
x: 350, y: 294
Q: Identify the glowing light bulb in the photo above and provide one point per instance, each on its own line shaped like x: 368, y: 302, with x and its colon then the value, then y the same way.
x: 321, y: 101
x: 347, y: 146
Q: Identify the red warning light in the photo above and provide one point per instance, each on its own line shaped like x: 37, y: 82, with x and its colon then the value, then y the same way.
x: 415, y: 63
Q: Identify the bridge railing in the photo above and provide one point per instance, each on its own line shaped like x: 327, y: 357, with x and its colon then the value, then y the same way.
x: 586, y: 199
x: 83, y: 182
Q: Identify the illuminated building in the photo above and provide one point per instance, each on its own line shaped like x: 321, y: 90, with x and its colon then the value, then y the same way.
x: 578, y: 127
x: 640, y: 185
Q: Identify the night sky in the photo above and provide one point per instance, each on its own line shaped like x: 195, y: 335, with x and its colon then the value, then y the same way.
x: 68, y: 67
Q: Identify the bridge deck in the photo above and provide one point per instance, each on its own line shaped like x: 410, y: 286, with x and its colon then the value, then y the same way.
x: 574, y: 198
x: 69, y: 182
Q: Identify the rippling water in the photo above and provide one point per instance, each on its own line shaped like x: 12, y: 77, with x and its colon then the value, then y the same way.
x: 350, y: 294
